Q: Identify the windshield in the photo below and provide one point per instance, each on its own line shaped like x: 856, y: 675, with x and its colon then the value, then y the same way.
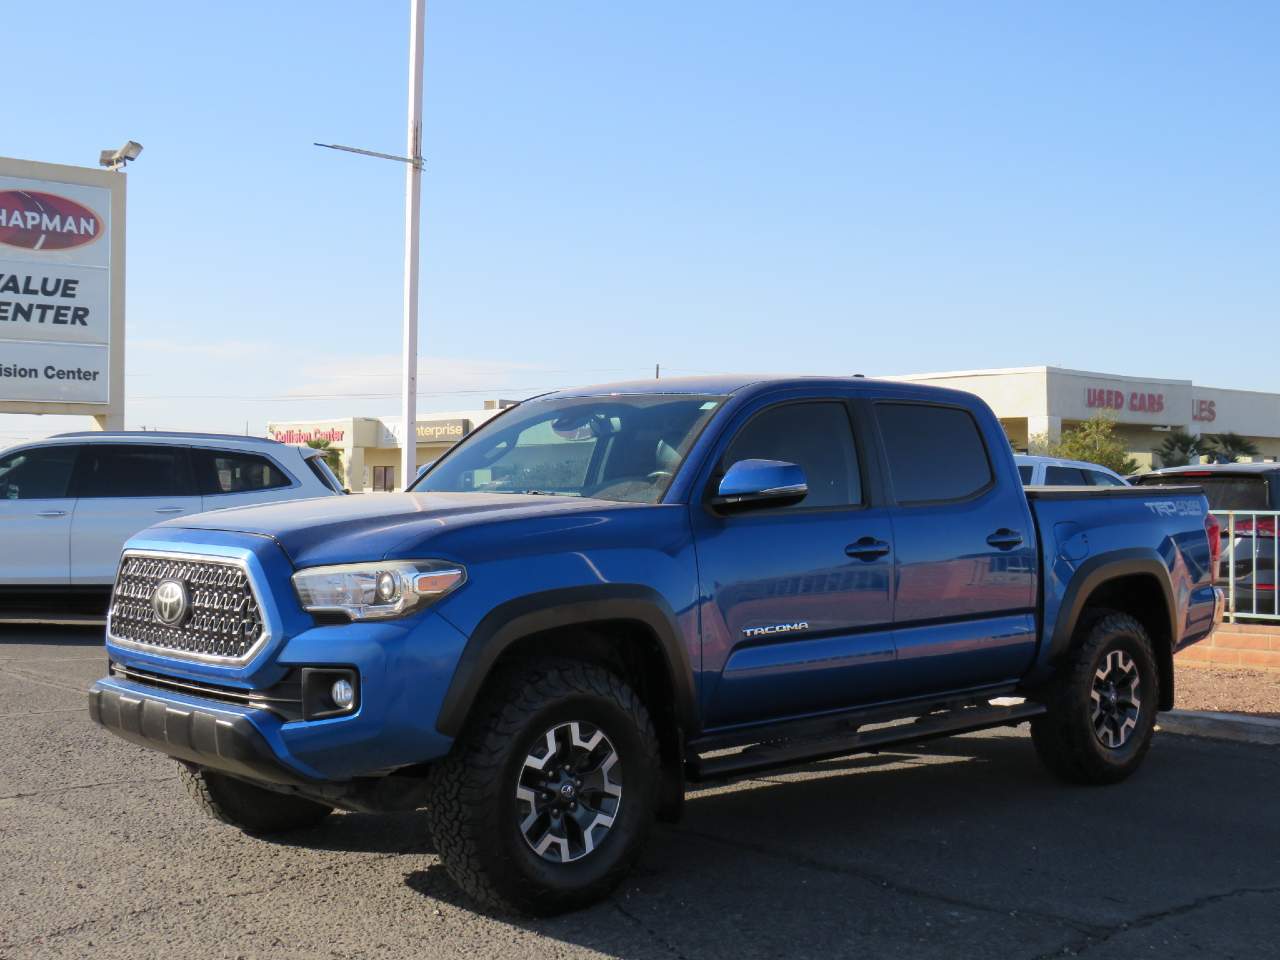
x: 624, y: 448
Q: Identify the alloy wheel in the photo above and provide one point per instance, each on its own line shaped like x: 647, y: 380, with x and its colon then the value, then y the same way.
x: 569, y: 792
x: 1116, y: 699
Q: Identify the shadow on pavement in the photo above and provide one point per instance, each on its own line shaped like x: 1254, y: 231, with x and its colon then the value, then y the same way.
x: 971, y: 847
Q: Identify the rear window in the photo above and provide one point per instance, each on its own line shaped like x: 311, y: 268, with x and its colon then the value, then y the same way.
x: 222, y: 471
x: 1100, y: 479
x: 324, y: 473
x: 1065, y: 477
x: 935, y: 453
x: 1224, y: 491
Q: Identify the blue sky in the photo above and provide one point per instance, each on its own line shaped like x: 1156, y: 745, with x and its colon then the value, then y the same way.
x: 803, y: 187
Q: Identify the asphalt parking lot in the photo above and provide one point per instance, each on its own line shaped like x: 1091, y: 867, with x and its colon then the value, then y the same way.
x: 963, y: 849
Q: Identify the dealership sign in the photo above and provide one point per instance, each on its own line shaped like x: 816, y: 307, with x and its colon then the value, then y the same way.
x: 1135, y: 401
x: 34, y: 220
x: 55, y: 291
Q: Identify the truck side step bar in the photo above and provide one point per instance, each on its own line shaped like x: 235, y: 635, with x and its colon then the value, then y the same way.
x: 851, y: 737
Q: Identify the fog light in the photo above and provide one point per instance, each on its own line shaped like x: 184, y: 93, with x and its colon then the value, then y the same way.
x: 343, y: 694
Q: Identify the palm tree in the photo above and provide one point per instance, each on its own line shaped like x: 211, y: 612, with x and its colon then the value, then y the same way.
x: 1230, y: 447
x: 1178, y: 448
x: 332, y: 456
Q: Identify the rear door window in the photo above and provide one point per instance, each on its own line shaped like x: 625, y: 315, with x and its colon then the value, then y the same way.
x: 935, y: 453
x: 1025, y: 473
x: 1065, y: 477
x: 223, y: 471
x: 40, y: 474
x: 134, y: 470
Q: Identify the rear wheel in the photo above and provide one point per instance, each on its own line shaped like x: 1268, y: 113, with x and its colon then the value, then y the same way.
x: 548, y: 796
x: 1102, y: 707
x: 255, y: 810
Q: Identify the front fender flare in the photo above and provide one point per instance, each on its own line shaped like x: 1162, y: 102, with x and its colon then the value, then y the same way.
x: 567, y: 607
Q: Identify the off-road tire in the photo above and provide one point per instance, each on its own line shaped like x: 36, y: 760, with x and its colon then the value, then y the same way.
x: 255, y: 810
x: 472, y: 808
x: 1064, y: 737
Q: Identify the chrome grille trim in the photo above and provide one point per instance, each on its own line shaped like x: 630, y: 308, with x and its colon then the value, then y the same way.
x: 227, y: 624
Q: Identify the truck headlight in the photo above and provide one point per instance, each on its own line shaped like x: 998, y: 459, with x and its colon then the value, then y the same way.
x: 374, y: 591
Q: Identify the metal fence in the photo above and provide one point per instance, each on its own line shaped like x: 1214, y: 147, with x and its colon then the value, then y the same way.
x: 1250, y: 558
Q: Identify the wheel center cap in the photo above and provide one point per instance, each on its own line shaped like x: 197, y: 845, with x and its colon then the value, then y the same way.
x: 568, y: 791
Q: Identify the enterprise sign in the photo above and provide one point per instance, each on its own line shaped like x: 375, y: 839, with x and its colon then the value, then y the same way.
x: 55, y: 291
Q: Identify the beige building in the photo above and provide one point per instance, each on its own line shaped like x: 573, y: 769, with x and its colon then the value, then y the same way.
x: 1044, y: 401
x: 370, y: 446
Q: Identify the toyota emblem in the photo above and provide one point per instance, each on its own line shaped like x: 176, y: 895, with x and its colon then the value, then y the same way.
x: 169, y: 601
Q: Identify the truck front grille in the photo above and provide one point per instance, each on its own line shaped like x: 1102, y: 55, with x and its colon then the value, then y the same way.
x: 212, y: 615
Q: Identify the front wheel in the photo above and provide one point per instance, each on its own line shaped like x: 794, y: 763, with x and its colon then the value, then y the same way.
x: 547, y: 798
x: 1102, y: 706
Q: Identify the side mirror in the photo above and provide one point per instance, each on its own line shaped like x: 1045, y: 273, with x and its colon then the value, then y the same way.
x: 756, y: 484
x: 423, y: 469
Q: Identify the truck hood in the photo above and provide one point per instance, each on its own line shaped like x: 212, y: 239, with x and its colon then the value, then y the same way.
x: 379, y: 525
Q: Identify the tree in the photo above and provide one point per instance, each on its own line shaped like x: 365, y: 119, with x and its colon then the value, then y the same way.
x: 332, y: 456
x: 1095, y: 441
x: 1229, y: 447
x: 1178, y: 448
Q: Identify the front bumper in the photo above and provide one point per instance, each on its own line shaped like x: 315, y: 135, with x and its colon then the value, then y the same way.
x: 403, y: 670
x: 221, y: 739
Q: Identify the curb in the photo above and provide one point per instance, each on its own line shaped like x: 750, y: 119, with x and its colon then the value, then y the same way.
x: 1221, y: 726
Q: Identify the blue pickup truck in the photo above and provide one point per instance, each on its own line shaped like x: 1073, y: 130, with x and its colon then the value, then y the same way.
x: 605, y: 595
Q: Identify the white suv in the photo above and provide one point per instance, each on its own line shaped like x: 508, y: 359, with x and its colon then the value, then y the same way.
x: 1055, y: 472
x: 67, y: 504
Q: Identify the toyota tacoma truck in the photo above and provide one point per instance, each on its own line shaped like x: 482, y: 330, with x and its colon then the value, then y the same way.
x: 603, y: 596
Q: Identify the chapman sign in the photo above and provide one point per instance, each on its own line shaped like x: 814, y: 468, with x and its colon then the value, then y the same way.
x: 61, y: 290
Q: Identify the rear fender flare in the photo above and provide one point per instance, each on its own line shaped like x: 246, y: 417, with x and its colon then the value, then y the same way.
x: 1092, y: 574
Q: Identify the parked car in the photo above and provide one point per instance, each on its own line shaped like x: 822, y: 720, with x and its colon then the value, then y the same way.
x: 1252, y: 490
x: 1056, y: 472
x: 68, y: 504
x: 603, y: 595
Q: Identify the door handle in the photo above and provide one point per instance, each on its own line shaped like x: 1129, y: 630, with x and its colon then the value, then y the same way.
x: 52, y: 513
x: 169, y: 510
x: 1005, y: 539
x: 867, y: 548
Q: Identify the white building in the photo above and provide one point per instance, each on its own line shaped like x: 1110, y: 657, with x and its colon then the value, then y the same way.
x: 1044, y: 401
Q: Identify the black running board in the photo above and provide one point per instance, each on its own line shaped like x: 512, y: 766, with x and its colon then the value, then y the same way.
x: 772, y: 754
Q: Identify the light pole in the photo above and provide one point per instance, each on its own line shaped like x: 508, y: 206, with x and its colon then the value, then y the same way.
x: 412, y: 216
x: 412, y: 220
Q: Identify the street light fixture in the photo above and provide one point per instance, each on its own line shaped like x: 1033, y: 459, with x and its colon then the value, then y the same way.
x: 116, y: 159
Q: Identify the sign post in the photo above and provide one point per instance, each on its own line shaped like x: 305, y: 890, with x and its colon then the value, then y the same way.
x: 62, y: 291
